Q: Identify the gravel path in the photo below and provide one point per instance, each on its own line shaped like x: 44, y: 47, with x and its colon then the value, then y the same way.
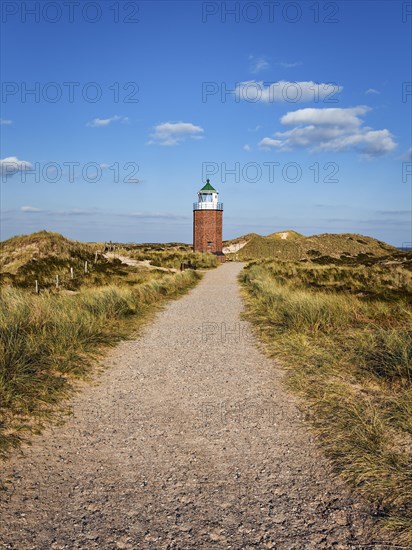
x: 187, y: 440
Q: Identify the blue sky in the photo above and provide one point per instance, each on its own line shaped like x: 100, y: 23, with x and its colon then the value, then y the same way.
x: 299, y: 113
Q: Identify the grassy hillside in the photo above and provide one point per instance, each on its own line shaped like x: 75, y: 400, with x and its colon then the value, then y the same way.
x: 44, y: 255
x: 18, y: 251
x: 319, y: 248
x: 242, y: 238
x: 47, y: 340
x: 344, y: 334
x: 154, y: 247
x: 286, y: 235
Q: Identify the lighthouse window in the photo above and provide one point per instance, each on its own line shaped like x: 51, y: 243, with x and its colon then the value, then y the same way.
x: 209, y: 243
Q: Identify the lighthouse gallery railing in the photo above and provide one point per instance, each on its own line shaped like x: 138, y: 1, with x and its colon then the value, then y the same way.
x: 207, y: 206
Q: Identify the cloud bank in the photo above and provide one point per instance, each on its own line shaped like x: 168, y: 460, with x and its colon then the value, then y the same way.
x: 101, y: 122
x: 12, y: 165
x: 173, y: 133
x: 330, y: 129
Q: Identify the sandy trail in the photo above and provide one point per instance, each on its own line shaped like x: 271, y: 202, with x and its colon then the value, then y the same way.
x: 188, y: 440
x: 138, y: 263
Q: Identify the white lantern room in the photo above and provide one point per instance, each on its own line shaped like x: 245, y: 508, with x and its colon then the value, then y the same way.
x: 208, y: 198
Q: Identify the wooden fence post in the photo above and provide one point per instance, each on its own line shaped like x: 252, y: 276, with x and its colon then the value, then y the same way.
x: 37, y: 286
x: 57, y: 281
x: 85, y: 266
x: 71, y: 273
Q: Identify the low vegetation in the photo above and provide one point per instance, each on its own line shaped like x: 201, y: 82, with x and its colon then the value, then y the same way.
x: 174, y: 259
x: 241, y: 239
x: 51, y: 339
x: 167, y: 255
x: 324, y: 249
x: 22, y: 250
x: 344, y: 334
x: 289, y: 235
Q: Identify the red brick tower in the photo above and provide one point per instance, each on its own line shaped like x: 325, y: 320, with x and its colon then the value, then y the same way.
x: 207, y: 222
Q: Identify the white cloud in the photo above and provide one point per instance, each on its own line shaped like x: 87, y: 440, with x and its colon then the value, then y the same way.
x: 247, y: 148
x: 172, y: 133
x: 291, y: 92
x: 99, y: 122
x: 5, y: 122
x: 371, y: 143
x: 72, y: 212
x: 372, y: 91
x: 258, y: 64
x: 12, y: 165
x: 332, y: 129
x: 269, y: 143
x: 328, y: 116
x: 31, y: 209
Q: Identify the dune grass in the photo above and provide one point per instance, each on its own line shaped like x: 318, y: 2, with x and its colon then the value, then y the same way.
x: 173, y: 258
x: 18, y: 251
x: 345, y: 337
x: 324, y: 248
x: 47, y: 341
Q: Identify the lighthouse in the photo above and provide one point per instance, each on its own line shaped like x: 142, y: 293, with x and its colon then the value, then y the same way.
x: 207, y: 222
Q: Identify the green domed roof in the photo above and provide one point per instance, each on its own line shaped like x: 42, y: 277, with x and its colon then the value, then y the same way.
x: 208, y: 187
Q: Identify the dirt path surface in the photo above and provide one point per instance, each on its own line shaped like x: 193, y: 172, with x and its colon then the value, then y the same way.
x: 187, y: 440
